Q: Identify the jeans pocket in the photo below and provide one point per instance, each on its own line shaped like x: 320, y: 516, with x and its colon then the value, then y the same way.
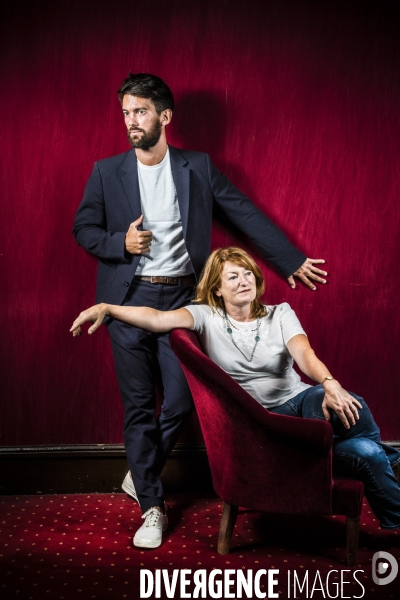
x: 294, y: 408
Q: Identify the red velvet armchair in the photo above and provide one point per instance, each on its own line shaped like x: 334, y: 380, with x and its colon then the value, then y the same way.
x: 260, y: 460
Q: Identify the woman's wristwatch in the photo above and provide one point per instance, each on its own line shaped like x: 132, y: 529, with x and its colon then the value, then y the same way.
x: 328, y: 378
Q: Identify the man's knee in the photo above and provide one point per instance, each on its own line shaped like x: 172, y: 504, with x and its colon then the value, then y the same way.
x: 179, y: 410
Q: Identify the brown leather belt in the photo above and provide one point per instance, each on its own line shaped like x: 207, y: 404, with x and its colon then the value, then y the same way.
x: 189, y: 280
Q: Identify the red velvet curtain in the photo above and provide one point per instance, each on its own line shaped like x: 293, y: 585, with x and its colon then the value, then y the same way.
x: 297, y: 102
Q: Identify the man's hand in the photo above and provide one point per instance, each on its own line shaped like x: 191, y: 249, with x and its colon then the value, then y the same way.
x: 136, y: 241
x: 95, y: 314
x: 307, y: 271
x: 344, y: 405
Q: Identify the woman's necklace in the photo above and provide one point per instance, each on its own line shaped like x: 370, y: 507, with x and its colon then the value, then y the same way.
x: 229, y: 326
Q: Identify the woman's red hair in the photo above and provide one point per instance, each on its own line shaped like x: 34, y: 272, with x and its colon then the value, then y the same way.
x: 210, y: 279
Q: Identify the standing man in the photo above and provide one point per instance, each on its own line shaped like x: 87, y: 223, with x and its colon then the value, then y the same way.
x: 147, y: 215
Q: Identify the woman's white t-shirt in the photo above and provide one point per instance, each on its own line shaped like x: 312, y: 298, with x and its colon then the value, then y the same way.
x: 269, y: 377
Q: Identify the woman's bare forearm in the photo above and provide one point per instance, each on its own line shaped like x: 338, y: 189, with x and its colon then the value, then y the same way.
x: 156, y: 321
x: 142, y: 316
x: 336, y: 398
x: 307, y: 360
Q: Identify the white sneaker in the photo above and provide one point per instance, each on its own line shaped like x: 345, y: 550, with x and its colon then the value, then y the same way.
x: 128, y: 487
x: 149, y: 535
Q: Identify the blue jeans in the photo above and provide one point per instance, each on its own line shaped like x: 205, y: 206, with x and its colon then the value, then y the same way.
x: 357, y: 453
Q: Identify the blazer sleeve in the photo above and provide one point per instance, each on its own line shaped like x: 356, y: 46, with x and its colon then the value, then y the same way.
x: 90, y: 226
x: 268, y: 238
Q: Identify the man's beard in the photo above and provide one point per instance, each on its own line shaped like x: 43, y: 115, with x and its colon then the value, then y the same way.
x: 147, y: 140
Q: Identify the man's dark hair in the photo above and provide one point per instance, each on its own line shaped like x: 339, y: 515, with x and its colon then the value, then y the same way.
x: 148, y: 86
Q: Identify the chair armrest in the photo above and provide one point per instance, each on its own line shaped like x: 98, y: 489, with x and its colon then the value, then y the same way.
x: 312, y: 434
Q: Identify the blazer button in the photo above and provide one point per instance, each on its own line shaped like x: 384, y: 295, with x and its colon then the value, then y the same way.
x: 127, y: 283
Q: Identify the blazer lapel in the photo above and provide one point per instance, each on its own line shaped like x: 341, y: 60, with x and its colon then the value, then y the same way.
x: 131, y: 183
x: 181, y: 175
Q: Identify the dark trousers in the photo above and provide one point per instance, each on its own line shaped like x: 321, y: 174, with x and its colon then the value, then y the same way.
x: 137, y: 354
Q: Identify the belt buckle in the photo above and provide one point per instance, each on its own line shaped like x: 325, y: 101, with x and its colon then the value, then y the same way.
x: 152, y: 278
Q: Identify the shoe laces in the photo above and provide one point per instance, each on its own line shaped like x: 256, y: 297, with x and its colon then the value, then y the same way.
x: 152, y: 515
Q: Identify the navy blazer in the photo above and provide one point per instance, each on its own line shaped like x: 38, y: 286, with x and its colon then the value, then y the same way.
x: 111, y: 202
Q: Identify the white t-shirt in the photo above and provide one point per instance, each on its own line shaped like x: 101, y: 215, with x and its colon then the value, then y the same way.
x: 168, y: 254
x: 269, y: 377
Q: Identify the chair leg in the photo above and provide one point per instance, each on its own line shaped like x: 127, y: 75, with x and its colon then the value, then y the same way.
x: 228, y: 520
x: 352, y: 531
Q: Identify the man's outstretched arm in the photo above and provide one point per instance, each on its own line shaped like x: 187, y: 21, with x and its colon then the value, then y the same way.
x: 308, y: 273
x: 268, y: 238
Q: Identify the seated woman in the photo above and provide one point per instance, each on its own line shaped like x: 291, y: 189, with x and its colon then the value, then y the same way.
x: 256, y: 345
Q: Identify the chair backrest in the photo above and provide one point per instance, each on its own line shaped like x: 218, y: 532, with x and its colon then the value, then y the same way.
x: 257, y: 459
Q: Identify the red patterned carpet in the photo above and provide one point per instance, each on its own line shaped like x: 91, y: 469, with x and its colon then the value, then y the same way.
x: 80, y: 546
